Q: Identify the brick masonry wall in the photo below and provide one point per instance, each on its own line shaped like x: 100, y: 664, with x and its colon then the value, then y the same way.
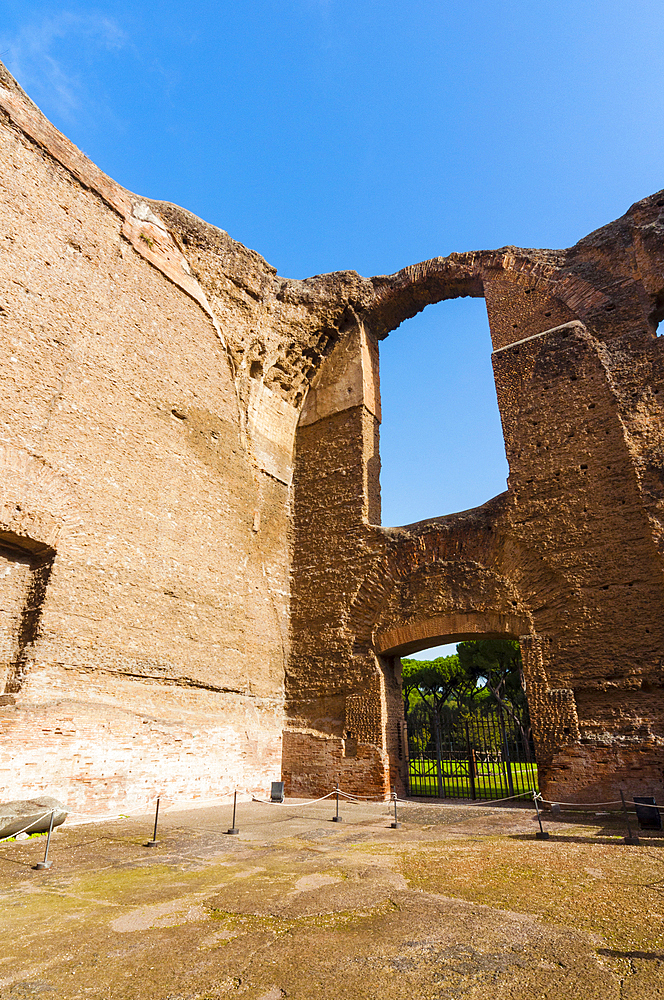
x: 190, y: 541
x: 158, y: 662
x: 568, y: 561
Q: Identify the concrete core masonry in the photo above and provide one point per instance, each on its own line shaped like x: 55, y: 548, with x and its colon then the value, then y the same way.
x: 197, y: 594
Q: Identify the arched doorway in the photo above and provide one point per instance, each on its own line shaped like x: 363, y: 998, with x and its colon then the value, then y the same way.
x: 467, y: 732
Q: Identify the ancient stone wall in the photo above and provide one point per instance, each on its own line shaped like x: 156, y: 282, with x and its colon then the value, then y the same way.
x: 144, y: 584
x: 568, y: 560
x: 195, y: 589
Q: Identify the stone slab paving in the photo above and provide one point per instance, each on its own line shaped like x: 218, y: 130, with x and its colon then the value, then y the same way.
x: 462, y: 901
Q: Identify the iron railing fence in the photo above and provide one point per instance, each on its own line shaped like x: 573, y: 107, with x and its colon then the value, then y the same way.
x: 483, y: 755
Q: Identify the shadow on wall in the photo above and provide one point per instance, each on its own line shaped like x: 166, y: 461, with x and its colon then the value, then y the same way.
x: 24, y: 578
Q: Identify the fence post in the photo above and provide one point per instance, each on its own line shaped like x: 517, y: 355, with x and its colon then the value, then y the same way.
x: 337, y: 818
x: 540, y: 834
x: 630, y: 838
x: 506, y: 755
x: 471, y: 764
x: 154, y: 841
x: 234, y: 829
x: 41, y: 865
x: 439, y: 762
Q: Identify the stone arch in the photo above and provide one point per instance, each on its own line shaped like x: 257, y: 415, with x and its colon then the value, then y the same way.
x: 569, y: 556
x: 438, y: 630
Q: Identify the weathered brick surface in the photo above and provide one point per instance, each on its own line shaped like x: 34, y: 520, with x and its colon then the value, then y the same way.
x: 157, y: 661
x: 568, y: 560
x: 191, y: 557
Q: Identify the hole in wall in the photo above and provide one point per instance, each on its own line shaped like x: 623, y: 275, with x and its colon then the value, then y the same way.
x: 442, y: 447
x: 24, y: 577
x: 657, y: 311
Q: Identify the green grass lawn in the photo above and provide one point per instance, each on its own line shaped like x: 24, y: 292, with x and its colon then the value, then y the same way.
x: 490, y: 781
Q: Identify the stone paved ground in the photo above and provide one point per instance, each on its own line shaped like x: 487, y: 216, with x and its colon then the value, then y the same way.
x: 461, y: 902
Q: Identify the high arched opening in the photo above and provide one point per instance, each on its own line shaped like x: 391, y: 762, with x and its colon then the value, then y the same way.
x: 441, y: 440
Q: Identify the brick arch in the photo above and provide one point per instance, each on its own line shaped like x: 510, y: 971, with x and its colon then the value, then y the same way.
x: 569, y: 559
x: 438, y: 630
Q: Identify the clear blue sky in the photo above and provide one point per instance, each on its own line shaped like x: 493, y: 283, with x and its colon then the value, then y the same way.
x: 332, y: 134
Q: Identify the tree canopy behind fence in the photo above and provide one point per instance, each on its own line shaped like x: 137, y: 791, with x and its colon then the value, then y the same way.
x: 481, y: 677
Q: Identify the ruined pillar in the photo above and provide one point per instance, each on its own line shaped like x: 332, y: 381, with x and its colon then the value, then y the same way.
x: 336, y: 696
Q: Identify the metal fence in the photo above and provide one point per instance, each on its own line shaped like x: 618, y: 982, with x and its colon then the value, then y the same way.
x: 484, y: 755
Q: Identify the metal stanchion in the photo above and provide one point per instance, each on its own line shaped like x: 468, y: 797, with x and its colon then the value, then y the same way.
x: 337, y: 818
x: 234, y: 830
x: 46, y: 863
x: 540, y: 834
x: 395, y: 825
x: 153, y: 842
x: 630, y: 838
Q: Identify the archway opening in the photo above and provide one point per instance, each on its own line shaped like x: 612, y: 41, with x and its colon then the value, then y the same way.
x: 442, y: 447
x: 467, y: 721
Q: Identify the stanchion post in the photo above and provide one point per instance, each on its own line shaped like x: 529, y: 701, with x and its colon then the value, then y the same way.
x: 234, y: 830
x: 395, y: 825
x: 46, y: 863
x: 153, y: 842
x: 630, y: 838
x: 337, y: 818
x: 540, y: 834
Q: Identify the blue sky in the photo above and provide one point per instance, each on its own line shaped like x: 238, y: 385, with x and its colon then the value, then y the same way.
x: 333, y: 134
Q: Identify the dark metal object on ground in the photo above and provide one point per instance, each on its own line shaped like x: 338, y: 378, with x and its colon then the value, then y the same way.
x: 234, y: 830
x: 337, y: 818
x: 395, y: 824
x: 151, y: 843
x: 630, y: 838
x: 647, y: 813
x: 540, y: 834
x: 46, y: 863
x: 277, y: 791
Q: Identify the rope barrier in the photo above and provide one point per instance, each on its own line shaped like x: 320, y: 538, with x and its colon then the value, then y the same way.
x: 595, y: 805
x: 508, y: 798
x: 524, y: 796
x: 301, y: 805
x: 587, y: 805
x: 362, y: 799
x: 359, y: 799
x: 356, y: 795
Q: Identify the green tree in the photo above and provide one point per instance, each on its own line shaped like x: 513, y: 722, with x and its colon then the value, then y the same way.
x: 427, y: 686
x: 496, y: 666
x: 434, y: 681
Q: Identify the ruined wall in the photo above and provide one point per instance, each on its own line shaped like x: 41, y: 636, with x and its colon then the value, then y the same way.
x: 154, y: 374
x: 159, y: 657
x: 568, y: 560
x: 191, y: 556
